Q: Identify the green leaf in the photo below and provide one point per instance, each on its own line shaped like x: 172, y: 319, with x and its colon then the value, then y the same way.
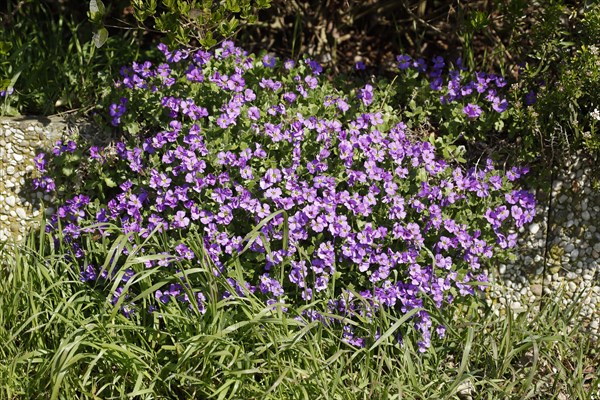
x: 14, y: 79
x: 5, y: 48
x: 233, y: 6
x: 66, y: 171
x: 208, y: 41
x: 109, y: 182
x: 100, y: 37
x: 133, y: 128
x: 96, y: 6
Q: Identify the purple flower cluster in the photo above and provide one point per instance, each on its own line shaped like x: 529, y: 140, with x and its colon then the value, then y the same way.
x: 344, y: 198
x: 484, y: 86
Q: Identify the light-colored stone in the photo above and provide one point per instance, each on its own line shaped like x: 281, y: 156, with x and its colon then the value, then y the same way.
x: 536, y: 289
x: 10, y: 200
x: 21, y: 213
x: 534, y: 228
x: 574, y: 254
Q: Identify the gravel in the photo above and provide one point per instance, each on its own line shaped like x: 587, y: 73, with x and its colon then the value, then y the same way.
x: 572, y: 263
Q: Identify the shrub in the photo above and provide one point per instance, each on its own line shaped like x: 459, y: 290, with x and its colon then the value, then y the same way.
x: 565, y: 73
x: 296, y: 191
x: 554, y: 98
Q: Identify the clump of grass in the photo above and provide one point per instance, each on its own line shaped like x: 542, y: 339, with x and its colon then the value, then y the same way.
x: 61, y: 340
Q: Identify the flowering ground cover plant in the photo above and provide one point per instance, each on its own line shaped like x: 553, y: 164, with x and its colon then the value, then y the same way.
x: 464, y: 106
x: 295, y: 191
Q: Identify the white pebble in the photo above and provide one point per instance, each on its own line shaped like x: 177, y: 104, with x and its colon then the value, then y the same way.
x: 21, y: 213
x: 10, y: 200
x: 574, y: 254
x: 534, y: 228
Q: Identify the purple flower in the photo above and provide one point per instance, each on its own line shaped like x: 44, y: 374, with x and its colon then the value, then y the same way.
x: 88, y: 274
x: 289, y: 64
x: 7, y: 92
x: 40, y: 163
x: 270, y: 84
x: 404, y: 61
x: 420, y: 65
x: 500, y: 105
x: 254, y: 113
x: 269, y: 61
x: 184, y: 252
x: 441, y: 331
x: 366, y: 95
x: 472, y: 110
x: 530, y: 98
x: 180, y: 220
x: 314, y: 66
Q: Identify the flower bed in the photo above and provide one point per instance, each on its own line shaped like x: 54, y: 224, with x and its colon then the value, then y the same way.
x: 295, y: 191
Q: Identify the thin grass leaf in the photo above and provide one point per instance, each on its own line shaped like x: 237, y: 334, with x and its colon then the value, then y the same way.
x: 394, y: 328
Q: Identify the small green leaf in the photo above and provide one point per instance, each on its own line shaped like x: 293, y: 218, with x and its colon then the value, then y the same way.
x: 133, y: 128
x: 100, y: 37
x: 208, y: 42
x: 5, y: 48
x: 109, y: 182
x: 96, y: 6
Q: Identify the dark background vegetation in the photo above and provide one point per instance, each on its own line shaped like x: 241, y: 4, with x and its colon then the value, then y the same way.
x: 490, y: 33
